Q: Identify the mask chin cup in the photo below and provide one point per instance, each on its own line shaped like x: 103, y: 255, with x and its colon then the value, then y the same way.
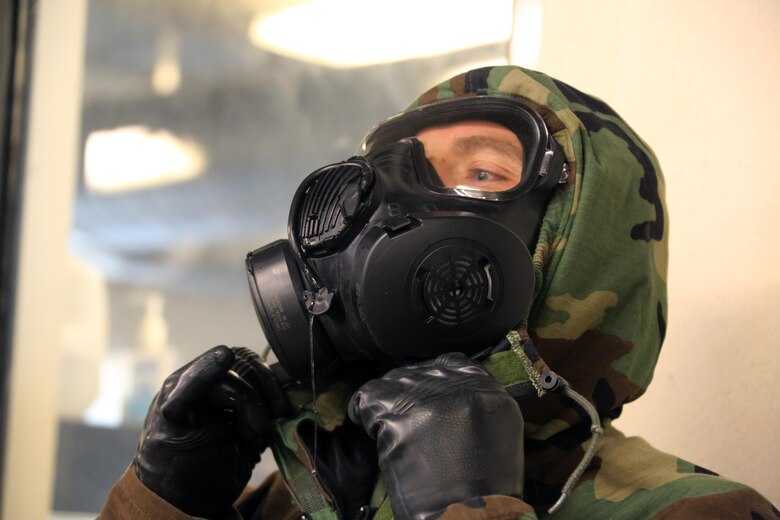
x: 277, y: 290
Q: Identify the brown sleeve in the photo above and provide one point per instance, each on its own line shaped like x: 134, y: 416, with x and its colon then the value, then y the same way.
x: 272, y: 501
x: 129, y: 499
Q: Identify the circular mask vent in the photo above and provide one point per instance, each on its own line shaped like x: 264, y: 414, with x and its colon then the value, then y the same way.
x: 456, y: 283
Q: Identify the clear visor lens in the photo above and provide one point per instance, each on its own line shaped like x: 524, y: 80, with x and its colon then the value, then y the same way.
x: 474, y: 156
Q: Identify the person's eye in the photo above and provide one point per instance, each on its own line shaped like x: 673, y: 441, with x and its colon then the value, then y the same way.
x: 481, y: 175
x: 487, y: 179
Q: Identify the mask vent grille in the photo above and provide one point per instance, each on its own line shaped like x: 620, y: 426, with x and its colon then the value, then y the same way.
x: 331, y: 201
x: 456, y: 286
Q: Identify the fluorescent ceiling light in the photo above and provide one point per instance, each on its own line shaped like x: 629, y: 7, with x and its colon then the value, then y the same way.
x: 352, y: 33
x: 166, y: 75
x: 135, y: 157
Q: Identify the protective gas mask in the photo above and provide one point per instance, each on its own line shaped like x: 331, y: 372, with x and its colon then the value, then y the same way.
x: 390, y: 261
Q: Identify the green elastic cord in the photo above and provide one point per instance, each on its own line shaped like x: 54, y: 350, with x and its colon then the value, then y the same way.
x: 516, y: 344
x: 514, y: 369
x: 595, y: 430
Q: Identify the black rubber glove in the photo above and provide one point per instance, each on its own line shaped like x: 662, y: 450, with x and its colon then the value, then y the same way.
x: 446, y: 431
x: 206, y: 429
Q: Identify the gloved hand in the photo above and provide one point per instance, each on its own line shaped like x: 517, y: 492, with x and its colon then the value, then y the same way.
x: 206, y: 429
x: 446, y: 431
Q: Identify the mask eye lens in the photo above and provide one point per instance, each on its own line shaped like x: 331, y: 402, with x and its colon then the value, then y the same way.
x: 474, y: 155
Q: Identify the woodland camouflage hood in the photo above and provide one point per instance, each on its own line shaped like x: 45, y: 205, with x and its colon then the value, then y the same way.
x: 599, y: 312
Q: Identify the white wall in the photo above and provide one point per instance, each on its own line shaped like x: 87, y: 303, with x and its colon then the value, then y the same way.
x: 50, y: 178
x: 700, y: 81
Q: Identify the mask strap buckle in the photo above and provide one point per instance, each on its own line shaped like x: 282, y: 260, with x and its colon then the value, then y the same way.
x: 318, y: 302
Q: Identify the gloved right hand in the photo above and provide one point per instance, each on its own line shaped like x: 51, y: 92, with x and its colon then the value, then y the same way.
x: 446, y: 432
x: 206, y: 429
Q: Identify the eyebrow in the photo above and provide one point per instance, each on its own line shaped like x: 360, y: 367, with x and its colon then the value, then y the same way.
x: 472, y: 143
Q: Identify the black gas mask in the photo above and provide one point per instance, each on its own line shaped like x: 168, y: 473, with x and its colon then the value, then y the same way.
x: 396, y: 264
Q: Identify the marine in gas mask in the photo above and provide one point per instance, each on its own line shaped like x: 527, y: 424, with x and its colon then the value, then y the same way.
x: 504, y: 225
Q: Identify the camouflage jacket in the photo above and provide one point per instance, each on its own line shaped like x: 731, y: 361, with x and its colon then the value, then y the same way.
x: 598, y: 318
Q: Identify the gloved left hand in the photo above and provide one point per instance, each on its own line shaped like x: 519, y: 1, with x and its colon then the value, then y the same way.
x: 206, y: 429
x: 446, y: 431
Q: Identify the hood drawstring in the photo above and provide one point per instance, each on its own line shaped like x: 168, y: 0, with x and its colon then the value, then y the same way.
x: 545, y: 380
